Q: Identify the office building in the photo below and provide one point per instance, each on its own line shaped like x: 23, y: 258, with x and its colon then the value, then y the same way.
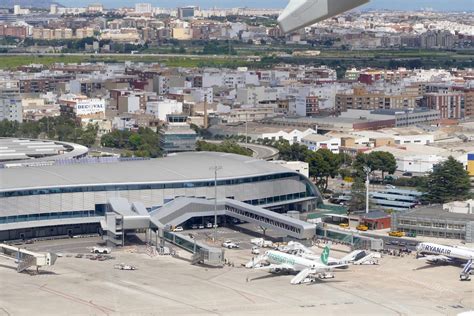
x: 177, y: 135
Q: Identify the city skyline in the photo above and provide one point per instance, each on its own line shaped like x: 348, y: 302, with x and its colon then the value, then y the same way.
x: 442, y: 5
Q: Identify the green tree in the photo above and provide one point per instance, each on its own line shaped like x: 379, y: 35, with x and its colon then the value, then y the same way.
x: 448, y: 181
x: 295, y: 152
x: 377, y: 161
x: 319, y: 169
x: 358, y: 195
x: 227, y: 146
x: 135, y: 140
x: 330, y: 167
x: 382, y: 161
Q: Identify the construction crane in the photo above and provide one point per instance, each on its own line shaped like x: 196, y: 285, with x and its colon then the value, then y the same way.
x: 25, y: 258
x: 301, y: 13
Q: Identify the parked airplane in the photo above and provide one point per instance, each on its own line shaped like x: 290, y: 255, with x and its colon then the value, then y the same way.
x: 301, y: 13
x: 306, y: 268
x: 298, y: 249
x: 451, y: 254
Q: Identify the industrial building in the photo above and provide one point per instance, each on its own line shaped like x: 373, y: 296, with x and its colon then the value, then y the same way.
x: 435, y: 221
x: 70, y: 199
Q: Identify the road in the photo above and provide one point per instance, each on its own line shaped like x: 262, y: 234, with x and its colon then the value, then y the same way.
x: 259, y: 151
x: 262, y: 152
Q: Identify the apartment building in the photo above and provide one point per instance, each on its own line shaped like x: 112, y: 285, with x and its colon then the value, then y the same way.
x: 362, y: 99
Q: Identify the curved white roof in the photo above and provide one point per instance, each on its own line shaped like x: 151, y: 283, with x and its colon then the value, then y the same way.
x: 25, y: 149
x: 188, y: 166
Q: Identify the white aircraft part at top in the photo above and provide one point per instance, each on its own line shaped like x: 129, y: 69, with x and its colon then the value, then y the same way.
x: 301, y: 13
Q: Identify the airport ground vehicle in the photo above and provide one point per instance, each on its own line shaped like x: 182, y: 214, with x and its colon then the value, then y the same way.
x: 178, y: 229
x: 255, y: 250
x: 102, y: 250
x: 344, y: 225
x: 201, y: 226
x: 260, y: 242
x: 362, y: 227
x: 208, y: 225
x: 396, y: 234
x: 229, y: 244
x: 123, y: 266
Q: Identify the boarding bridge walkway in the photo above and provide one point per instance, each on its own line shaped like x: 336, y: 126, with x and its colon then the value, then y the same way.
x: 25, y: 258
x: 124, y: 216
x: 182, y: 209
x: 355, y: 240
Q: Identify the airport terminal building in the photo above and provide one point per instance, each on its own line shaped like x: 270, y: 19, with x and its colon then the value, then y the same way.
x: 71, y: 198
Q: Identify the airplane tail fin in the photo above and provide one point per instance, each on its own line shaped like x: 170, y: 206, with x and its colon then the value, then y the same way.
x: 325, y: 255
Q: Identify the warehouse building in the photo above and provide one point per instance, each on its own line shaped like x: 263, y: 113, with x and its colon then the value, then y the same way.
x: 435, y: 221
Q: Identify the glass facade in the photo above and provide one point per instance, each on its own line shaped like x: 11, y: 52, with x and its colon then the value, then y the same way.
x: 48, y: 216
x: 100, y: 208
x: 148, y: 186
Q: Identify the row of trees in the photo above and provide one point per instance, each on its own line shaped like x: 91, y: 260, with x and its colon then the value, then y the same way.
x: 324, y: 164
x: 54, y: 128
x: 143, y: 143
x: 226, y: 146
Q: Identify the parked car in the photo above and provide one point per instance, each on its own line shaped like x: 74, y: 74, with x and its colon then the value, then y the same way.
x: 178, y: 229
x: 389, y: 186
x: 201, y: 226
x: 208, y: 225
x: 407, y: 174
x: 194, y: 226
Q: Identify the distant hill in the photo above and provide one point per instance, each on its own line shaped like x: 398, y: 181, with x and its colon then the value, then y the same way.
x: 26, y: 3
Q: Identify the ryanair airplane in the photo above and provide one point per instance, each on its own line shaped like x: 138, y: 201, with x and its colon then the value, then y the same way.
x: 452, y: 254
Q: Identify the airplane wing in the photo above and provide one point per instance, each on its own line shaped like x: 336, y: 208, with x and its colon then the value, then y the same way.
x: 301, y: 13
x: 276, y: 266
x: 435, y: 258
x: 334, y: 266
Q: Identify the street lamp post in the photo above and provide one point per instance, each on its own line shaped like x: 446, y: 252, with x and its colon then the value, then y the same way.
x: 215, y: 168
x: 367, y: 171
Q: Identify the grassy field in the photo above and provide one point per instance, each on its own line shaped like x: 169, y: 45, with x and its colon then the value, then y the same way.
x: 372, y: 58
x: 10, y: 62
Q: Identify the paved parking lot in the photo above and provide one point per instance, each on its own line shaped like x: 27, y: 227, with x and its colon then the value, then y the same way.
x: 164, y: 285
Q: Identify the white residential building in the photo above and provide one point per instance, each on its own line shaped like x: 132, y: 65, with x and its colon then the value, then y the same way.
x: 164, y: 107
x: 143, y: 8
x: 292, y: 136
x: 316, y: 141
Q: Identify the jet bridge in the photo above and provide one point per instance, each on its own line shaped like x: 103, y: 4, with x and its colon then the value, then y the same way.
x: 182, y: 209
x: 122, y: 216
x: 25, y: 258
